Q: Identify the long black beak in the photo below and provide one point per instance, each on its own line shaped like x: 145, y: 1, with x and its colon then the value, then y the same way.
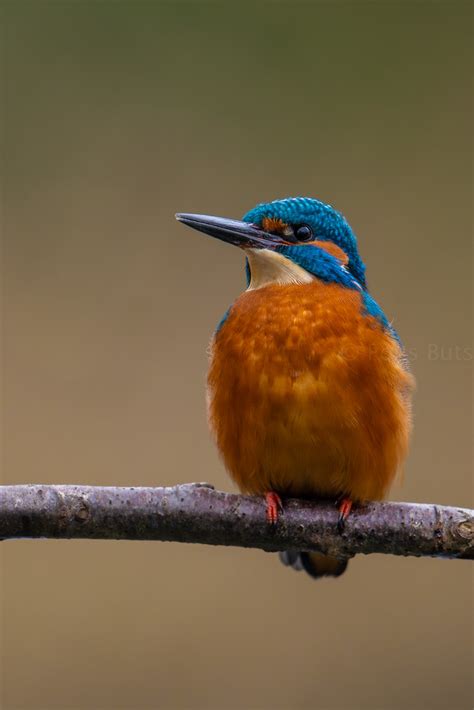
x: 242, y: 234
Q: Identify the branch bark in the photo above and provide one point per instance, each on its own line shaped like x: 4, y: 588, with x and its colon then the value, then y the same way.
x: 196, y: 512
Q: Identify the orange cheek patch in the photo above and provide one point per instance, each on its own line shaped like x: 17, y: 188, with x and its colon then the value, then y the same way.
x: 270, y: 224
x: 334, y: 250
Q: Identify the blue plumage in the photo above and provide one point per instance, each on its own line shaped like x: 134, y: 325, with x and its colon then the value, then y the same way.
x: 319, y: 263
x: 327, y: 224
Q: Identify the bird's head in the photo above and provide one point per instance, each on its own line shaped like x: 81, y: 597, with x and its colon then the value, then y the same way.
x: 293, y: 240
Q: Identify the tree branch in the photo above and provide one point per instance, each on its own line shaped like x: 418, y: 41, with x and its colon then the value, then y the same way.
x: 195, y: 512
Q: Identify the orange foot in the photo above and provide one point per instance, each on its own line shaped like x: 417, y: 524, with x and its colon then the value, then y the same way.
x: 345, y: 506
x: 274, y: 506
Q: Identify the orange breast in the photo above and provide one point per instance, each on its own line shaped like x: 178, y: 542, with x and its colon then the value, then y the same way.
x: 306, y: 395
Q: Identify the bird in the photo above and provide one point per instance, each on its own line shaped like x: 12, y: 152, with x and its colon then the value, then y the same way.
x: 309, y: 390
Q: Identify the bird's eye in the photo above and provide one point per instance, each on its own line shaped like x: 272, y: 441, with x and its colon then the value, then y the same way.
x: 303, y: 233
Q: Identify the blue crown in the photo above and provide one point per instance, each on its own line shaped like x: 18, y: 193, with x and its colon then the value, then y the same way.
x: 327, y: 225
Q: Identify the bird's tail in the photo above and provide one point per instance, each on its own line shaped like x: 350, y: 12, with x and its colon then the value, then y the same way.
x: 314, y: 563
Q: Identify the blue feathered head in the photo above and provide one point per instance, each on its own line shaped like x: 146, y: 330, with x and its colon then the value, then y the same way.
x: 304, y: 220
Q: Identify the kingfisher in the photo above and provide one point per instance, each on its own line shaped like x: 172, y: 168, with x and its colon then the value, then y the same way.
x: 308, y: 388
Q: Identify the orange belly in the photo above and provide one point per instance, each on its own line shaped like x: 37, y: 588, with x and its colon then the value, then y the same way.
x: 307, y: 396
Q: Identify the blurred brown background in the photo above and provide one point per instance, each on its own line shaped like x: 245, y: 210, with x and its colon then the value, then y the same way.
x: 116, y: 115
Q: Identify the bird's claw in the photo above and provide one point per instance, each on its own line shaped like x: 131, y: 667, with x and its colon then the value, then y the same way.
x: 274, y: 507
x: 345, y: 506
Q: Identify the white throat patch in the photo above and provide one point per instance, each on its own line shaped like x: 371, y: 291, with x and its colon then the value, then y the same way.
x: 268, y: 267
